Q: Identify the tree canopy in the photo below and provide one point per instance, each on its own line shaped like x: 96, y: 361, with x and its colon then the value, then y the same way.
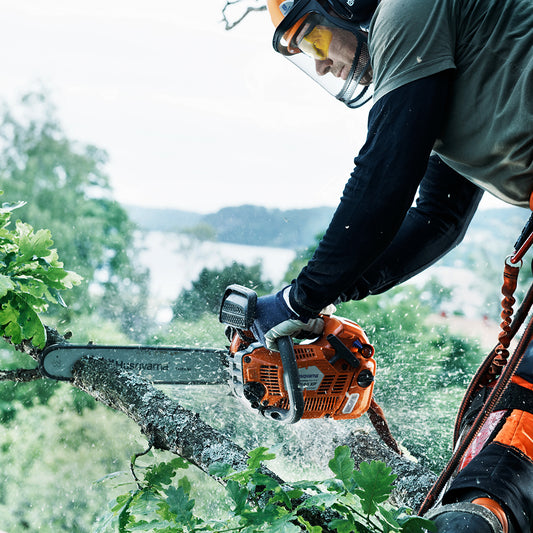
x: 71, y: 196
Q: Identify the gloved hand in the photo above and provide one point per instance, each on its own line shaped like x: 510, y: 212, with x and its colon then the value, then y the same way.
x: 275, y: 318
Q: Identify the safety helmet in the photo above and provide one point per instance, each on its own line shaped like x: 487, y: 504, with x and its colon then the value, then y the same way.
x: 327, y: 39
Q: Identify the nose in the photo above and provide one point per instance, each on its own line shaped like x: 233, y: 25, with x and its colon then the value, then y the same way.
x: 323, y: 66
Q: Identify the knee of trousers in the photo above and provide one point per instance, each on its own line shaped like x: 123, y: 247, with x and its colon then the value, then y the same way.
x: 464, y: 517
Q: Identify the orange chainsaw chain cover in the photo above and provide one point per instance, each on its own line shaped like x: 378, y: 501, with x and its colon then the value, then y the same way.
x: 337, y: 381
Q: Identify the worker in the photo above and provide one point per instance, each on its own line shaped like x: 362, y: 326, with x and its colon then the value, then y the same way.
x: 451, y: 83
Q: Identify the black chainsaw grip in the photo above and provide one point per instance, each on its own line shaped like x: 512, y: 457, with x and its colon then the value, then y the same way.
x: 291, y: 380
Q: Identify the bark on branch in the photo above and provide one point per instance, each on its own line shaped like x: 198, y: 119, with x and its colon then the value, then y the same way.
x: 171, y: 427
x: 20, y: 375
x: 165, y: 423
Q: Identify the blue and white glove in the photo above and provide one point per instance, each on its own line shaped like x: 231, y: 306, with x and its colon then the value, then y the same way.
x: 275, y: 318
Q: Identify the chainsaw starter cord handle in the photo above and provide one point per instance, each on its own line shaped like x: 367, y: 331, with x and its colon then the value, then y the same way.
x: 291, y: 381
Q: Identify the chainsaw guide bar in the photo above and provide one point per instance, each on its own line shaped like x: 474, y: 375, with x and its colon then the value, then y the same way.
x: 159, y: 364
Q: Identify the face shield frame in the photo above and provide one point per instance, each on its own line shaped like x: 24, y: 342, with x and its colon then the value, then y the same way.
x: 351, y: 92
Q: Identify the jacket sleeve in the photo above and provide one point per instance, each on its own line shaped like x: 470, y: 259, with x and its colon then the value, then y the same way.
x: 375, y: 238
x: 444, y: 209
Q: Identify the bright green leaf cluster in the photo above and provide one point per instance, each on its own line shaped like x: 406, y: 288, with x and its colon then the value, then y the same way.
x: 259, y: 503
x: 31, y: 277
x: 155, y: 505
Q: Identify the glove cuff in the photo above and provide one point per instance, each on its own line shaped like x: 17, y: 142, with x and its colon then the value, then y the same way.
x: 304, y: 314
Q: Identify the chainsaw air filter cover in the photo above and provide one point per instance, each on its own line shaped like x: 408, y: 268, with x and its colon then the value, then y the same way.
x: 336, y: 373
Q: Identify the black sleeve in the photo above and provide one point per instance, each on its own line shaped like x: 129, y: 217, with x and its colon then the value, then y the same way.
x: 371, y: 226
x: 444, y: 209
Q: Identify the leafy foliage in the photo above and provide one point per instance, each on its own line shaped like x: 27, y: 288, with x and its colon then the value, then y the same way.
x: 71, y: 196
x: 31, y: 277
x: 259, y: 503
x: 206, y: 292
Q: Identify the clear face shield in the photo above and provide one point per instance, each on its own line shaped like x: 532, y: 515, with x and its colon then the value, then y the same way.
x: 330, y: 50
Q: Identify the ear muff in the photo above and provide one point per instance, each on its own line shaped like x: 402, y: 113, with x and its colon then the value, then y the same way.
x: 360, y: 11
x: 278, y: 10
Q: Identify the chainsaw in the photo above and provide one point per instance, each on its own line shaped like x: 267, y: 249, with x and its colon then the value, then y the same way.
x: 331, y: 376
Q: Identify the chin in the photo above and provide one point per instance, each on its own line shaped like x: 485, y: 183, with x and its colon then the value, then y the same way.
x: 366, y: 80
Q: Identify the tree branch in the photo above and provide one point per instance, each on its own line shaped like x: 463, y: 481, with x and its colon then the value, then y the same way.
x: 167, y: 425
x: 171, y: 427
x: 20, y: 375
x: 229, y: 25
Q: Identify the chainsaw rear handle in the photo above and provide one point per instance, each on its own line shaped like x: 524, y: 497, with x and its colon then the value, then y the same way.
x: 238, y: 310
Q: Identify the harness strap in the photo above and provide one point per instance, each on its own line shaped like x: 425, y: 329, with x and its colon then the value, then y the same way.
x: 525, y: 240
x: 495, y: 366
x: 480, y: 378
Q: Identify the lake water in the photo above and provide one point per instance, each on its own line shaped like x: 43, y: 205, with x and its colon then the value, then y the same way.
x: 175, y: 261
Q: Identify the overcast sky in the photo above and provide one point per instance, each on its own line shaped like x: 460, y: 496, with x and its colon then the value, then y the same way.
x: 192, y: 116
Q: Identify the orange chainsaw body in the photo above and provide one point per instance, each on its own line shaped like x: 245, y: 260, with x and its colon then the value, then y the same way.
x: 336, y: 372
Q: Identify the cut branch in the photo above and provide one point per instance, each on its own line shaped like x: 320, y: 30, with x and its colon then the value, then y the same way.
x: 20, y: 375
x: 413, y: 480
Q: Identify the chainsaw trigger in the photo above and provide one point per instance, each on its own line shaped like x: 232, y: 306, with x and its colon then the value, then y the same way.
x: 342, y: 352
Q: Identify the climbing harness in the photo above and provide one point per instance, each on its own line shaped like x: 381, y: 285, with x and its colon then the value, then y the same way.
x: 497, y: 369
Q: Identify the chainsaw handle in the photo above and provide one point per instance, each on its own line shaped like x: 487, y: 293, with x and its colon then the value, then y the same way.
x: 291, y: 380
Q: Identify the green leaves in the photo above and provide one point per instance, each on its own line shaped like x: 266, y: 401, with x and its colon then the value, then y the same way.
x: 6, y: 285
x: 30, y: 277
x: 161, y: 474
x: 155, y: 504
x: 342, y: 465
x: 19, y: 321
x: 256, y: 502
x: 360, y: 497
x: 375, y: 485
x: 238, y: 495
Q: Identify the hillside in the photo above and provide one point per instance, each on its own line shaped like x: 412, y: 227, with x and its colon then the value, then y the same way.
x: 154, y: 219
x: 495, y: 230
x: 246, y: 224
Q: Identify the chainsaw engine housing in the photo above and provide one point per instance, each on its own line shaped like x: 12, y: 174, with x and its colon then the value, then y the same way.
x: 336, y: 372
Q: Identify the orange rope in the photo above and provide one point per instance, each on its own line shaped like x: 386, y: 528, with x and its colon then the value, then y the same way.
x: 510, y: 277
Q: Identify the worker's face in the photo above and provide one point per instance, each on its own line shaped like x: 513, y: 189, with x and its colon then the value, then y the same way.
x: 339, y: 60
x: 333, y: 50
